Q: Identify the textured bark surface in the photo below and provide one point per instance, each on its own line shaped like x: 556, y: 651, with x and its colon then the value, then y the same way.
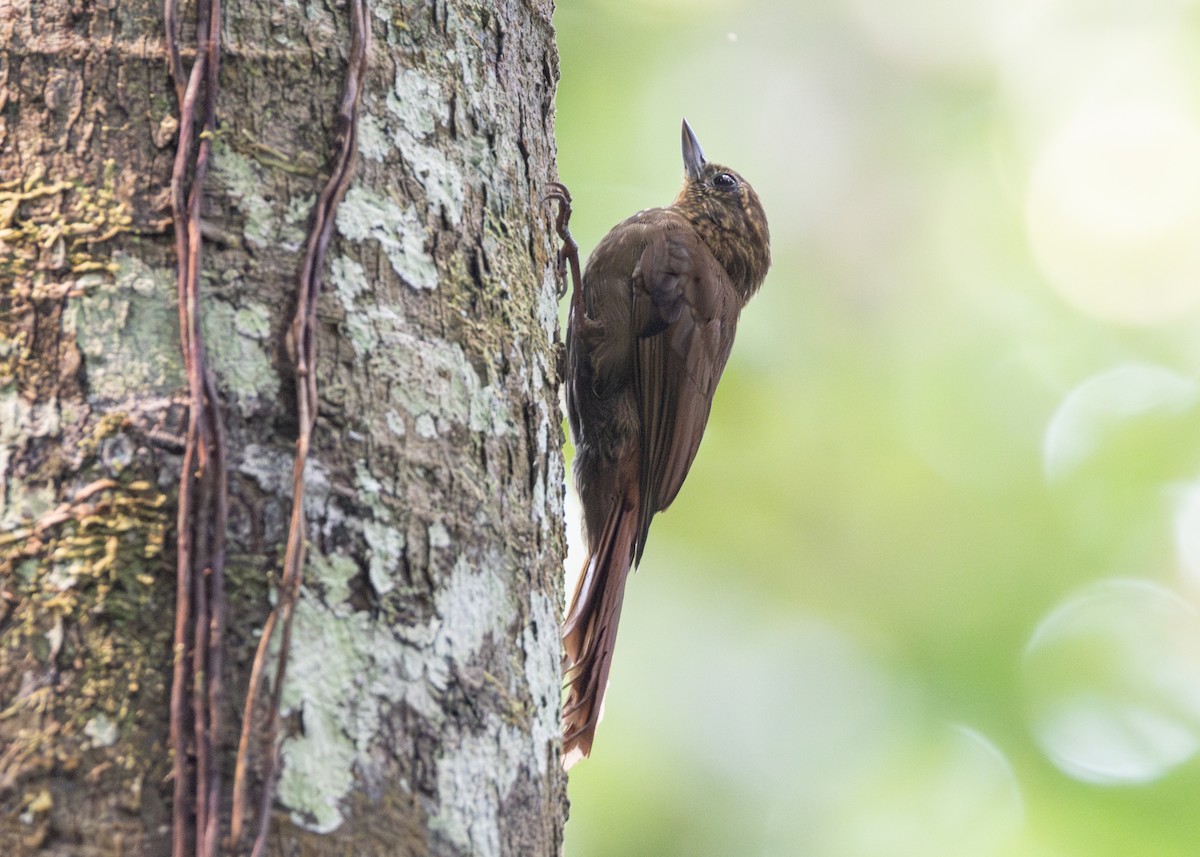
x: 423, y: 687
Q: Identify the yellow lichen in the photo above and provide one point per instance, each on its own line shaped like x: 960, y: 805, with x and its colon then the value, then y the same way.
x: 50, y: 227
x: 76, y: 581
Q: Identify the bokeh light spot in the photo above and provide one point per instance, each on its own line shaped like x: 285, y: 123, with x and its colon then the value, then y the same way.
x: 1113, y: 211
x: 1113, y: 683
x: 1105, y: 401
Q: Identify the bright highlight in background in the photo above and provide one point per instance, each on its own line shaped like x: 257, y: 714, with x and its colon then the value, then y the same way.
x: 1102, y: 404
x: 1114, y: 212
x: 1113, y: 680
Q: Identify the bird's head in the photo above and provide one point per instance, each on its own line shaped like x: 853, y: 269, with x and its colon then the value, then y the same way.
x: 726, y: 213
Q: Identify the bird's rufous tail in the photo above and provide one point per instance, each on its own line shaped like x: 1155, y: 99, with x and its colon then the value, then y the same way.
x: 590, y: 629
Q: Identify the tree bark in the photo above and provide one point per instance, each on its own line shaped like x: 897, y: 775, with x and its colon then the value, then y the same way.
x: 420, y: 706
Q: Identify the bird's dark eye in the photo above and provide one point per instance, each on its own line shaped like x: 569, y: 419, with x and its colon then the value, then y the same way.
x: 724, y: 181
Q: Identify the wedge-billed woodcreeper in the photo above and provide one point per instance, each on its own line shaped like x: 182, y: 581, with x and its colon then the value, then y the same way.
x: 651, y: 326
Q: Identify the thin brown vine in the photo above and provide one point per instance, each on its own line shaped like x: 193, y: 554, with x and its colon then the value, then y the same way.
x: 200, y: 606
x: 203, y: 492
x: 303, y: 352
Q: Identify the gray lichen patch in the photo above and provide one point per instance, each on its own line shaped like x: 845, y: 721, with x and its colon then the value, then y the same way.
x: 21, y: 421
x: 417, y: 103
x: 385, y: 540
x: 547, y: 305
x: 245, y: 182
x: 102, y: 730
x: 127, y: 332
x: 405, y: 123
x: 431, y: 381
x: 333, y: 574
x: 442, y: 180
x: 386, y: 544
x: 438, y: 535
x: 543, y: 670
x: 373, y: 142
x: 401, y: 235
x: 342, y: 679
x: 489, y: 412
x: 363, y: 327
x: 426, y: 427
x: 271, y: 468
x: 469, y: 812
x: 448, y: 389
x: 349, y: 281
x: 295, y: 218
x: 236, y: 340
x: 349, y: 668
x: 472, y: 605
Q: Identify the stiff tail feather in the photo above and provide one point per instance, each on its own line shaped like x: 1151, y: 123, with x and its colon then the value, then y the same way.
x: 590, y: 630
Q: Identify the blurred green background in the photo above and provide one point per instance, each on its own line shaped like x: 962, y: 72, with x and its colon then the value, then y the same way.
x: 931, y: 587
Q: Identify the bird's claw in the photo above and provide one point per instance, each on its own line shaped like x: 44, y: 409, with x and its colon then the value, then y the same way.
x: 558, y: 193
x: 569, y: 252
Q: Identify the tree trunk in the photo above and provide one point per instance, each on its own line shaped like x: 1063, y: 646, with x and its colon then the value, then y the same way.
x: 420, y: 706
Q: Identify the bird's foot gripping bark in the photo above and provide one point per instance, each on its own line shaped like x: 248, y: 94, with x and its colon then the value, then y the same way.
x: 569, y: 252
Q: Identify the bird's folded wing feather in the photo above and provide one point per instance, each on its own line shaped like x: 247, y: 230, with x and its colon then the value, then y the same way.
x: 684, y: 313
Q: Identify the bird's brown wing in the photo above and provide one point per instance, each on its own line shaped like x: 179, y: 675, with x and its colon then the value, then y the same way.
x: 684, y: 315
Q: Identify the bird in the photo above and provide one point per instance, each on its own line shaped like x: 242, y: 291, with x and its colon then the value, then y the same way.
x: 650, y: 329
